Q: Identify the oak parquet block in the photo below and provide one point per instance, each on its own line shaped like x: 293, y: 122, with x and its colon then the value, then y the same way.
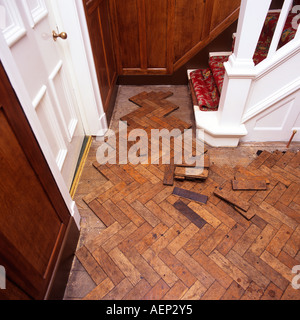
x: 173, y: 212
x: 235, y: 273
x: 116, y: 213
x: 101, y: 290
x: 249, y: 185
x: 101, y: 213
x: 139, y: 291
x: 103, y: 236
x: 286, y: 259
x: 151, y: 237
x: 277, y: 265
x: 295, y: 161
x: 191, y: 173
x: 234, y: 292
x: 163, y: 242
x: 246, y: 240
x: 261, y: 242
x: 267, y: 270
x: 176, y: 244
x: 116, y: 239
x: 161, y: 214
x: 205, y: 214
x: 256, y: 163
x: 244, y: 174
x: 196, y: 291
x: 193, y: 244
x: 145, y: 270
x: 125, y: 266
x: 251, y: 272
x: 160, y: 267
x: 169, y: 175
x: 292, y: 245
x: 272, y: 293
x: 230, y: 239
x: 130, y: 213
x: 177, y: 267
x: 91, y: 265
x: 149, y: 216
x: 212, y: 268
x: 135, y: 237
x: 177, y: 291
x: 279, y: 240
x: 215, y: 238
x: 253, y: 292
x: 119, y: 291
x: 108, y: 265
x: 215, y: 292
x: 276, y: 193
x: 195, y: 268
x: 158, y: 291
x: 289, y: 194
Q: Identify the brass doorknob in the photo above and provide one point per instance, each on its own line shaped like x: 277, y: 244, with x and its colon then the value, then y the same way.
x: 61, y: 35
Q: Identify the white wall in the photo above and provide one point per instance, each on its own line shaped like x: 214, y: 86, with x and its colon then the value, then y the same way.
x: 272, y: 111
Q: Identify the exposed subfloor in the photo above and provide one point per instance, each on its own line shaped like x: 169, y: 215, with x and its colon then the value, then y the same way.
x: 229, y: 258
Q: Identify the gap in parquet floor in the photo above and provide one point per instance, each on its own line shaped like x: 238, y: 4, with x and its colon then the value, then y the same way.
x: 135, y: 243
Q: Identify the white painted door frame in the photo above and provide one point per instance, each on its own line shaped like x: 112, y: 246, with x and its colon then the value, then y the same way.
x: 84, y: 80
x: 70, y: 15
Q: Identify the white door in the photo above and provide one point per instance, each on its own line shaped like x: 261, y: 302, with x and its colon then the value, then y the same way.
x: 27, y: 27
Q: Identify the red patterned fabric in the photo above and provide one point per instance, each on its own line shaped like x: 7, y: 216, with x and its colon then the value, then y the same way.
x: 205, y: 89
x: 216, y: 65
x: 267, y: 34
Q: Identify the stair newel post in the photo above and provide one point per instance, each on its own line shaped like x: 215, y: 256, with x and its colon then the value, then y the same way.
x: 240, y: 67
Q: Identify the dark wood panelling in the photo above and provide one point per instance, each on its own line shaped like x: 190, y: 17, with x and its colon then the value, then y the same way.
x: 157, y: 37
x: 33, y: 215
x: 100, y: 31
x: 222, y: 10
x: 189, y: 20
x: 156, y: 32
x: 128, y: 38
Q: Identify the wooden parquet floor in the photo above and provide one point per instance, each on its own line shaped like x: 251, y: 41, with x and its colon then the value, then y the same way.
x: 151, y: 251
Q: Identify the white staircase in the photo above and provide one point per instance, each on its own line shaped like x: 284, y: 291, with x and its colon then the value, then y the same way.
x: 258, y: 102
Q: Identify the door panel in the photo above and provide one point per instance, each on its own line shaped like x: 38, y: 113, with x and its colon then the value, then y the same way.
x: 156, y: 33
x: 127, y: 19
x: 40, y: 63
x: 24, y: 194
x: 33, y: 215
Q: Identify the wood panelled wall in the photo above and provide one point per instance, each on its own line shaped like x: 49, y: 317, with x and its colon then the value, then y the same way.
x: 100, y: 30
x: 159, y: 36
x: 151, y: 37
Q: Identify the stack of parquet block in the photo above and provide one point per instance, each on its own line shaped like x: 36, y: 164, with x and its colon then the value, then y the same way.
x: 184, y: 242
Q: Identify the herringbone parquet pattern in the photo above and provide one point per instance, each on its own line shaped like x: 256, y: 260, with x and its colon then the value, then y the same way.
x: 151, y: 251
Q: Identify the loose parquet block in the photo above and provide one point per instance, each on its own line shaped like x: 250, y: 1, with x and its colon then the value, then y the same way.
x: 189, y: 195
x: 191, y: 173
x: 249, y: 185
x: 169, y: 175
x: 189, y: 213
x: 159, y: 245
x: 232, y: 198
